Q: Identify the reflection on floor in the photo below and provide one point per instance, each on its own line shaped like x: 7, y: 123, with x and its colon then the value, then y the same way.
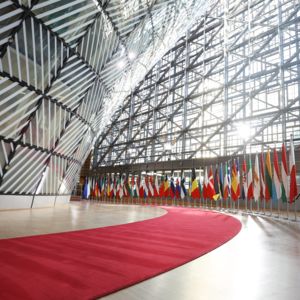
x: 75, y: 216
x: 262, y: 262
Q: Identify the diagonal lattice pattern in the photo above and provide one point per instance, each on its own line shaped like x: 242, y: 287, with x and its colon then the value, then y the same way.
x: 230, y: 86
x: 65, y: 67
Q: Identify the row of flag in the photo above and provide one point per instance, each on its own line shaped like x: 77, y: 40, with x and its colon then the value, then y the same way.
x: 227, y: 181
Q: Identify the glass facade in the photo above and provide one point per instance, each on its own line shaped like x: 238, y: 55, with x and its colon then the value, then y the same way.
x: 229, y: 86
x: 65, y: 68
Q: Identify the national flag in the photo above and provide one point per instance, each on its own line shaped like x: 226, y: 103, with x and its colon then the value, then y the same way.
x: 244, y: 180
x: 256, y: 180
x: 141, y: 187
x: 293, y: 181
x: 268, y: 177
x: 90, y: 183
x: 200, y: 187
x: 172, y: 188
x: 93, y: 188
x: 115, y: 185
x: 130, y: 186
x: 221, y: 179
x: 177, y: 189
x: 226, y: 187
x: 118, y: 188
x: 205, y: 185
x: 127, y: 189
x: 121, y: 192
x: 108, y: 187
x: 284, y: 175
x: 162, y: 187
x: 136, y: 188
x: 276, y: 191
x: 145, y: 187
x: 97, y: 193
x: 100, y: 185
x: 183, y: 189
x: 211, y: 193
x: 262, y: 177
x: 217, y: 193
x: 249, y: 179
x: 86, y: 189
x: 156, y: 187
x: 150, y: 187
x: 166, y: 187
x: 103, y: 184
x: 195, y: 193
x: 235, y: 186
x: 112, y: 189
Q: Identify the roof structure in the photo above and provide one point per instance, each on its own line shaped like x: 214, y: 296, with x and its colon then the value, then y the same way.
x: 65, y: 68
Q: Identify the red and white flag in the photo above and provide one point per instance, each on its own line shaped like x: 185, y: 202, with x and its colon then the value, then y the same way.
x: 284, y: 175
x: 156, y: 187
x: 150, y: 187
x: 293, y: 182
x: 256, y: 180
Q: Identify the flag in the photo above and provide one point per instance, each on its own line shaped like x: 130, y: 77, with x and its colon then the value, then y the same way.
x: 221, y: 178
x: 200, y: 187
x: 177, y: 189
x: 118, y: 188
x: 126, y: 187
x: 217, y: 193
x: 136, y: 188
x: 172, y: 188
x: 150, y: 187
x: 195, y: 193
x: 145, y: 187
x: 235, y: 186
x: 103, y: 183
x: 130, y: 186
x: 112, y: 188
x: 293, y: 181
x: 108, y: 187
x: 256, y: 180
x: 268, y: 177
x: 276, y: 189
x: 121, y: 191
x: 183, y: 189
x: 262, y: 177
x: 162, y: 187
x: 97, y: 193
x: 166, y: 187
x: 284, y: 175
x: 244, y: 180
x: 156, y: 187
x: 205, y: 185
x: 249, y: 179
x: 211, y: 193
x: 86, y: 189
x: 141, y: 187
x: 226, y: 187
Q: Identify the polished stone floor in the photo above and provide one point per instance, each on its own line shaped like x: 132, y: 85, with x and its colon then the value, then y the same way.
x: 74, y: 216
x: 261, y: 262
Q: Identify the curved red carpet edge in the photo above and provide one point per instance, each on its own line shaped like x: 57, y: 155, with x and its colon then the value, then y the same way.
x: 92, y: 263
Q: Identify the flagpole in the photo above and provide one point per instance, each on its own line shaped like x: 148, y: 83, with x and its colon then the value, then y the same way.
x: 278, y: 207
x: 295, y: 210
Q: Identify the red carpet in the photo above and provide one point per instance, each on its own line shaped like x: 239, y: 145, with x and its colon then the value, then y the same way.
x: 91, y: 263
